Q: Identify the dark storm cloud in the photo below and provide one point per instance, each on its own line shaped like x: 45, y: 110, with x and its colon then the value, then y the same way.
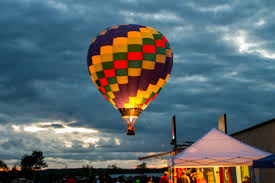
x: 224, y: 62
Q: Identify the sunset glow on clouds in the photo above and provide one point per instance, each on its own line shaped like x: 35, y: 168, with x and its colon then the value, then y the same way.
x: 224, y: 61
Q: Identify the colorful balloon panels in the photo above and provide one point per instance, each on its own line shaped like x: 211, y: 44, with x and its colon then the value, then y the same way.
x: 130, y: 64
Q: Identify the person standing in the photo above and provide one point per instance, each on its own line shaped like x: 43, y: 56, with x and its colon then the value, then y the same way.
x: 70, y: 179
x: 200, y: 177
x: 150, y: 180
x: 164, y: 178
x: 247, y: 180
x: 184, y: 178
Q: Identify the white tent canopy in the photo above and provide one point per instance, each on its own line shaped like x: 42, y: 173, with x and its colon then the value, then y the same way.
x: 217, y: 149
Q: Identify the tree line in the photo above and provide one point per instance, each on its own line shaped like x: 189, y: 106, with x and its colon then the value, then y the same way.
x: 34, y: 161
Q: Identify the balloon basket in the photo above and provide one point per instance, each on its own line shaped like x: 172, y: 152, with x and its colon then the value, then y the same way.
x: 130, y: 129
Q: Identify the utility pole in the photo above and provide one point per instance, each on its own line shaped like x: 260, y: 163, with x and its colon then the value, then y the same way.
x: 222, y: 126
x: 174, y: 134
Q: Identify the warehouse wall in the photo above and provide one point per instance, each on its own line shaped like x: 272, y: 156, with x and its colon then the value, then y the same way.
x: 263, y: 137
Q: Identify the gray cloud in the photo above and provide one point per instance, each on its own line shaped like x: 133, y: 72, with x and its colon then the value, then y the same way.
x: 224, y: 62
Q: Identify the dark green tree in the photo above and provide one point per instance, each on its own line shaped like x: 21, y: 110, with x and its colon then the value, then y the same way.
x: 142, y: 166
x: 35, y: 161
x: 113, y: 166
x: 3, y: 165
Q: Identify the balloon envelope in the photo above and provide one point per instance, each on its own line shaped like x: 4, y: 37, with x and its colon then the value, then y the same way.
x: 130, y: 64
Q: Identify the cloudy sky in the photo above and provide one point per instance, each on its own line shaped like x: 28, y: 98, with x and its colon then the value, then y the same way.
x: 224, y: 61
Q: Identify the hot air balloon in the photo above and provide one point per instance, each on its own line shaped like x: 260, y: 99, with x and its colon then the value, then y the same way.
x: 130, y: 64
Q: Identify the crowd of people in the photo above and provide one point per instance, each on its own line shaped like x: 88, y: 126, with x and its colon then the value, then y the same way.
x: 192, y: 176
x: 104, y: 178
x: 186, y: 176
x: 107, y: 179
x: 189, y: 176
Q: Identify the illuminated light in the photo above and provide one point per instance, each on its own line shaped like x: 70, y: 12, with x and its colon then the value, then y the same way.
x: 131, y: 119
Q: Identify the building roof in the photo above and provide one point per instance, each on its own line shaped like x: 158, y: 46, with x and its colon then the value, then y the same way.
x: 254, y: 127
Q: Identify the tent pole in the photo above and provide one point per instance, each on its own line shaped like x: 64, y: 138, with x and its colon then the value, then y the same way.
x: 173, y: 174
x: 221, y: 173
x: 173, y: 168
x: 238, y: 174
x: 258, y: 175
x: 253, y: 176
x: 229, y: 175
x: 214, y: 175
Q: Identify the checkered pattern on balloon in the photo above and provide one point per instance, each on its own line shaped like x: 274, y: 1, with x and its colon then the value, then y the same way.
x: 130, y: 64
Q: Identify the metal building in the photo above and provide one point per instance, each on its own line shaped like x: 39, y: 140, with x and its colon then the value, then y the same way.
x: 261, y: 136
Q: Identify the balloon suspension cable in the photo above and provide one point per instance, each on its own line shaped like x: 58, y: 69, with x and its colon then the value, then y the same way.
x: 124, y: 124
